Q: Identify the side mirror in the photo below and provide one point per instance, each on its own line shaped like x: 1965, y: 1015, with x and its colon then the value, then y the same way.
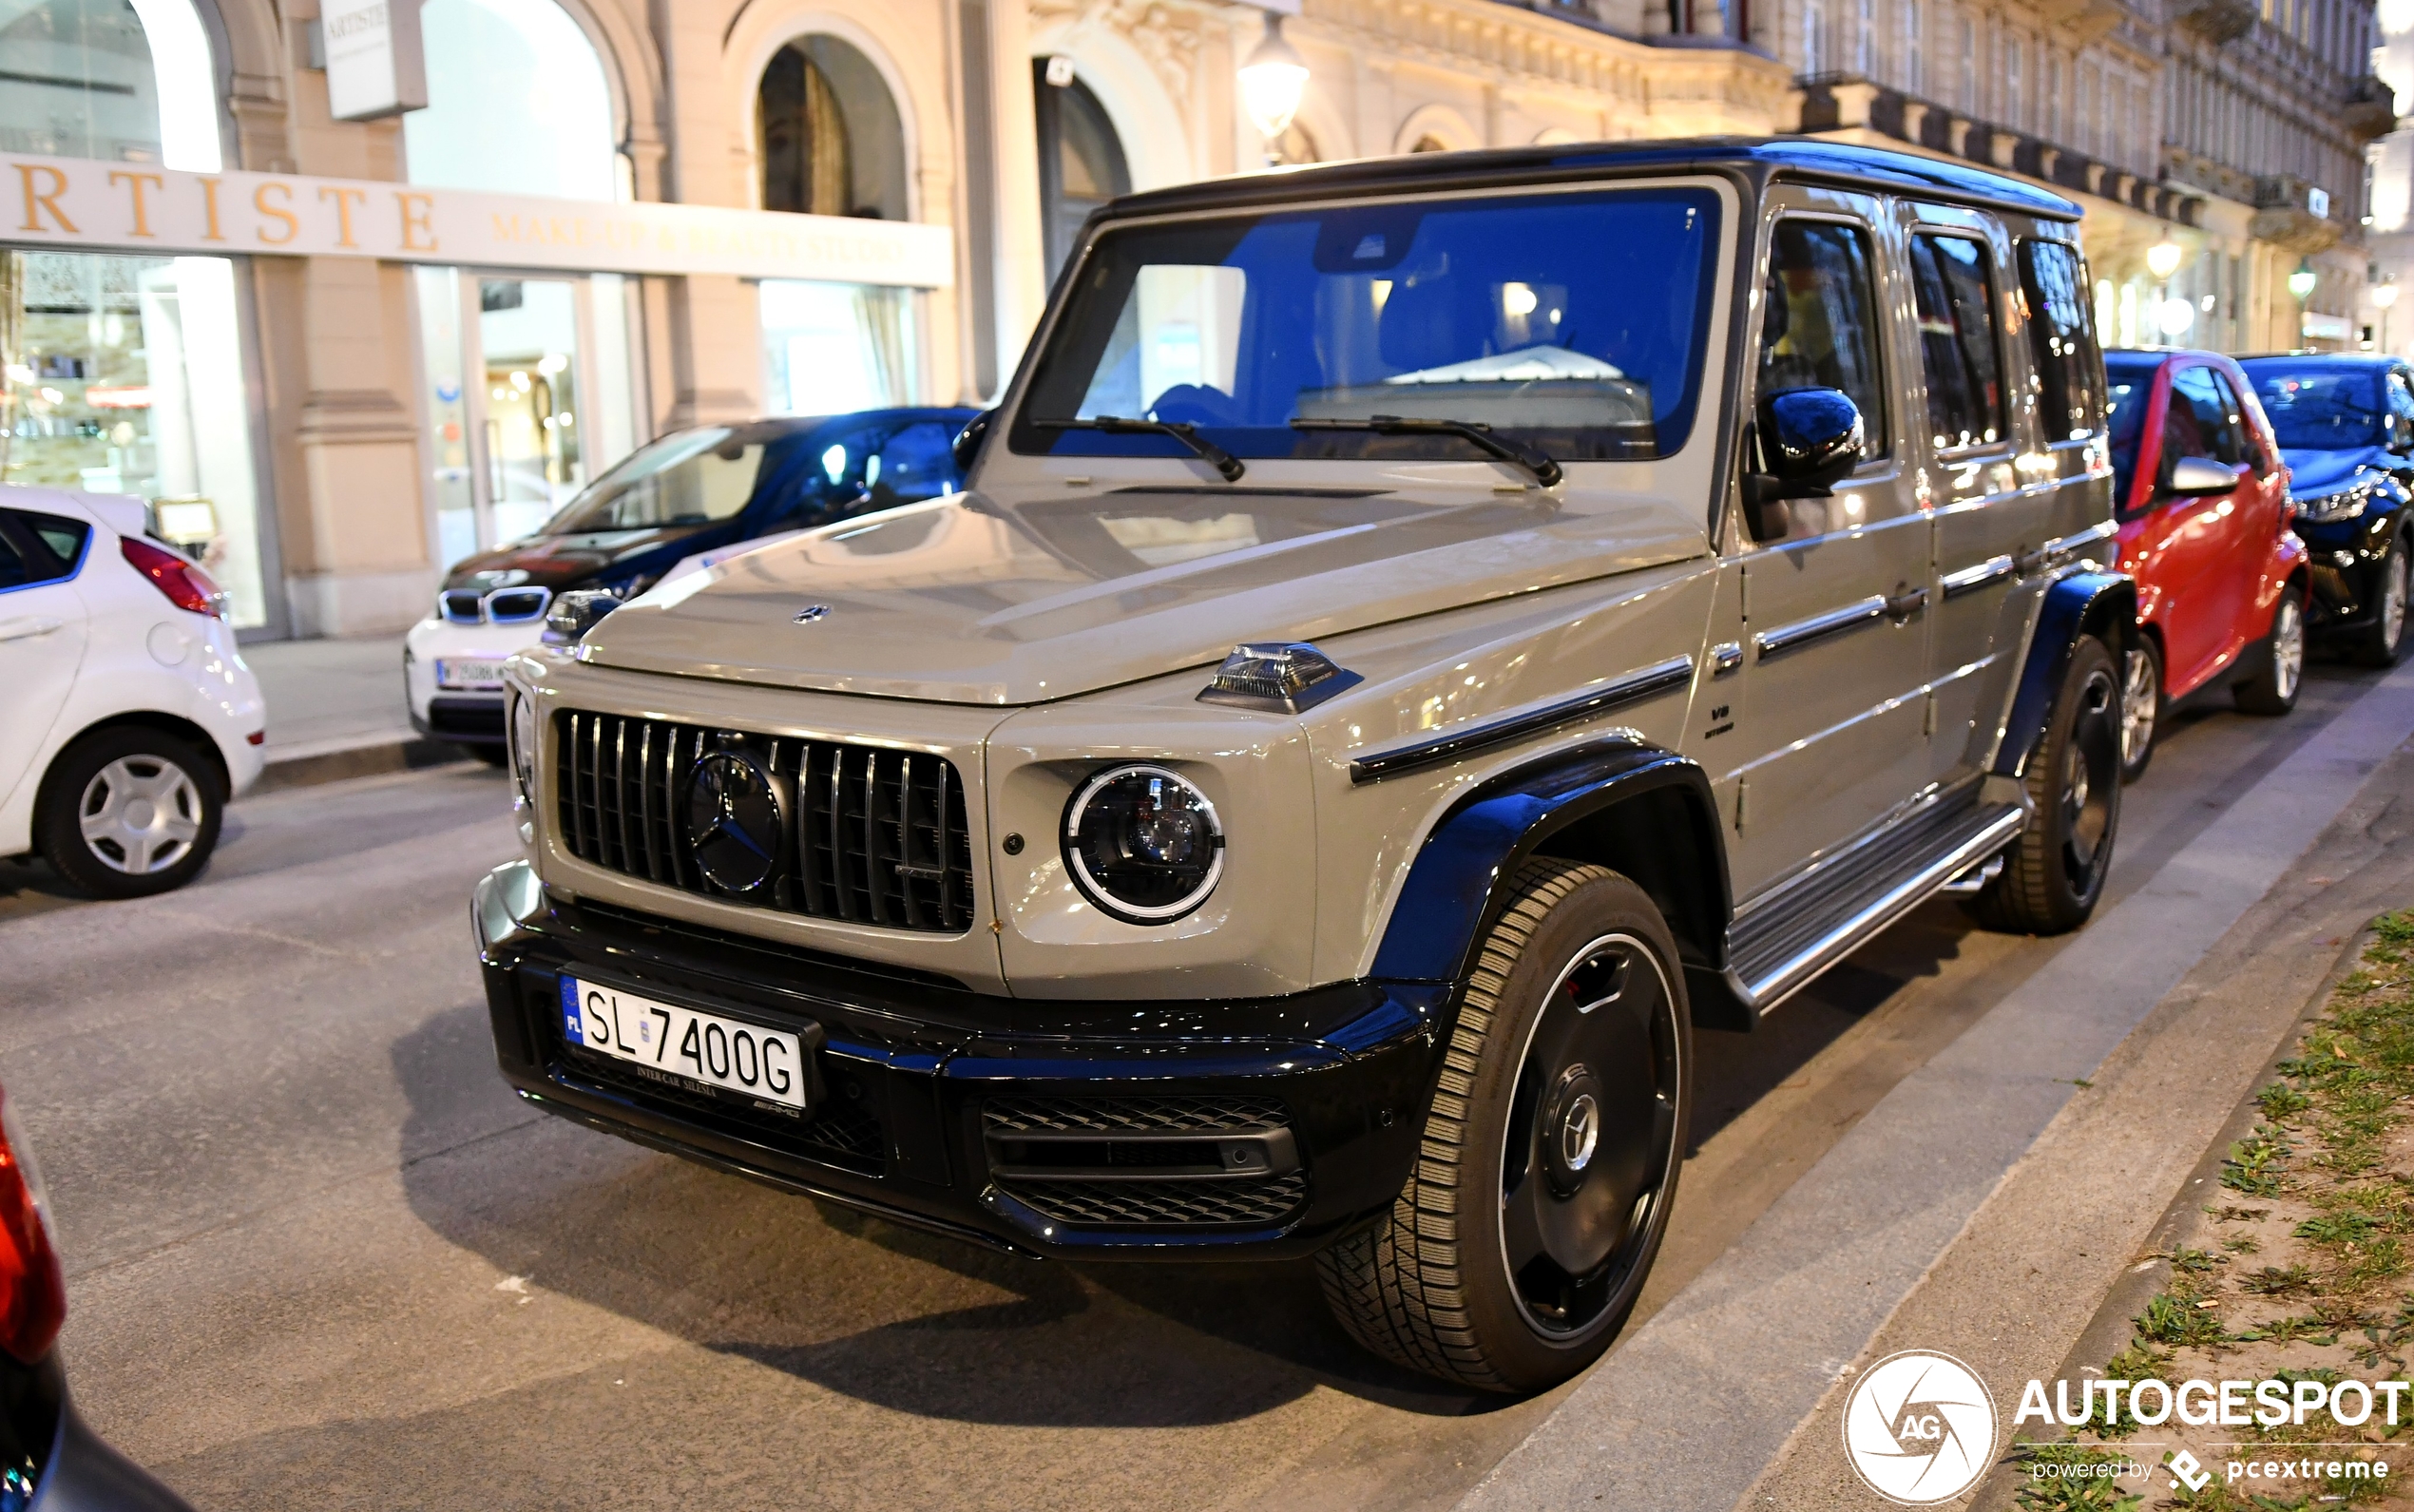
x: 2197, y: 478
x: 575, y: 613
x: 967, y: 441
x: 1810, y: 439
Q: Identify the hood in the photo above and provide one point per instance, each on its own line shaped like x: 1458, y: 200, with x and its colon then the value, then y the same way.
x: 566, y: 561
x: 966, y: 600
x: 2313, y: 474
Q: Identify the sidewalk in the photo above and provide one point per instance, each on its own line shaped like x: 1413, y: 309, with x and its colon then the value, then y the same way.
x: 1989, y: 1203
x: 336, y: 710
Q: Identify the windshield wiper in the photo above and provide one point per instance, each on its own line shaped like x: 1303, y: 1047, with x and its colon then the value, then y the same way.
x: 1181, y: 430
x: 1546, y: 471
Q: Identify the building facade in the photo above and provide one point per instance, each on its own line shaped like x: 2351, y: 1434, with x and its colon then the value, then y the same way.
x: 612, y: 218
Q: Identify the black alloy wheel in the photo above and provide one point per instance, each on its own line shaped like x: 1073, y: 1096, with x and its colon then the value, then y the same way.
x: 2383, y: 640
x: 1551, y: 1150
x: 2053, y: 874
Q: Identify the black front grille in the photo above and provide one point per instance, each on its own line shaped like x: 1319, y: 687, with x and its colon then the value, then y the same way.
x: 1159, y: 1116
x: 1157, y: 1204
x: 876, y: 836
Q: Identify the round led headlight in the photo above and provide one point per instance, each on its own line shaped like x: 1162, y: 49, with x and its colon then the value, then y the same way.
x: 524, y: 744
x: 1142, y: 843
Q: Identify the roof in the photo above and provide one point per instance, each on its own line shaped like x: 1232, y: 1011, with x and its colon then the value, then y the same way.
x: 1795, y: 158
x: 2326, y: 359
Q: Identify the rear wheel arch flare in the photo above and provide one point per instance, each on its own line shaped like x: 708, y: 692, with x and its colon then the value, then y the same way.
x: 167, y: 724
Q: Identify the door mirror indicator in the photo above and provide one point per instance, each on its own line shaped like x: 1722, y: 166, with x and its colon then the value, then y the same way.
x: 2195, y: 477
x: 1809, y: 440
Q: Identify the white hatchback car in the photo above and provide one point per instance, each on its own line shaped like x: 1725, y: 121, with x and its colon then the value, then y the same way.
x: 132, y: 717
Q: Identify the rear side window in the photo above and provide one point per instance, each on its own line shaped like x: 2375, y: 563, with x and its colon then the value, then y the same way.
x: 14, y: 573
x: 2061, y: 331
x: 1954, y: 300
x: 44, y: 547
x: 1820, y: 328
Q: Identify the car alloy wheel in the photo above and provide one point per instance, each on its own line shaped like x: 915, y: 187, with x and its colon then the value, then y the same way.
x: 2384, y: 642
x: 140, y: 815
x: 2140, y: 709
x: 1590, y: 1128
x: 2288, y: 639
x: 1550, y: 1151
x: 2089, y: 785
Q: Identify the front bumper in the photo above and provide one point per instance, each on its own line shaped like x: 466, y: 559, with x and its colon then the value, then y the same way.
x: 2344, y: 559
x: 1181, y: 1129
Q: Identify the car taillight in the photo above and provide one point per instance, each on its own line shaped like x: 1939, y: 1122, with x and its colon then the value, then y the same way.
x: 34, y: 1295
x: 186, y: 585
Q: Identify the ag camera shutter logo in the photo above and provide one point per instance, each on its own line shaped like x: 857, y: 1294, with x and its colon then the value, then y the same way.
x: 1919, y: 1427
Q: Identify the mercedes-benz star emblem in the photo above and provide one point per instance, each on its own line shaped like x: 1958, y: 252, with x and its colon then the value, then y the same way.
x: 733, y: 821
x: 813, y: 612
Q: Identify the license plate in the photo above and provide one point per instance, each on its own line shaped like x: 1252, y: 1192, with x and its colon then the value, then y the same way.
x: 684, y: 1047
x: 469, y: 675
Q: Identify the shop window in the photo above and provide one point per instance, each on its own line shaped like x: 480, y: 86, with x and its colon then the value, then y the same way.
x: 834, y: 348
x: 1081, y: 163
x: 827, y: 134
x: 516, y: 102
x: 131, y: 381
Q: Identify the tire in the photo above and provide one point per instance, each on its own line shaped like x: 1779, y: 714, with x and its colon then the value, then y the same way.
x: 2383, y: 640
x: 1554, y: 1135
x: 2141, y: 707
x: 2280, y: 661
x: 130, y: 811
x: 2053, y: 874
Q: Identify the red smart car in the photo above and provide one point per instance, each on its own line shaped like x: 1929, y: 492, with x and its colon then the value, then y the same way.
x: 2203, y: 498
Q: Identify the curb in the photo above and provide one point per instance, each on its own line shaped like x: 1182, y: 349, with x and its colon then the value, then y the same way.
x: 371, y: 758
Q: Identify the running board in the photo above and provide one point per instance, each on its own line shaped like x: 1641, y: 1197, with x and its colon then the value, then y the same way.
x: 1788, y: 937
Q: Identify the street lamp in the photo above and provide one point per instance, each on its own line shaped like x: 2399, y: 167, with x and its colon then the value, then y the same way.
x: 1272, y: 81
x: 2173, y: 316
x: 2384, y: 295
x: 2302, y: 281
x: 2163, y: 258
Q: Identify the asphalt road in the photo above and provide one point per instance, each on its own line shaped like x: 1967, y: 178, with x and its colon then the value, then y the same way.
x: 318, y: 1257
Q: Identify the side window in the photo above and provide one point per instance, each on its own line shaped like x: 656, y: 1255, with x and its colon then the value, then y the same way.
x: 2061, y: 332
x: 1820, y: 328
x: 2401, y: 400
x: 1953, y: 295
x: 2201, y: 421
x: 50, y: 547
x: 12, y: 569
x: 2242, y: 430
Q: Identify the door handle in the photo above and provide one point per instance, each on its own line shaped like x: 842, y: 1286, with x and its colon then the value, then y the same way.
x: 1903, y: 605
x: 27, y: 626
x: 1794, y: 637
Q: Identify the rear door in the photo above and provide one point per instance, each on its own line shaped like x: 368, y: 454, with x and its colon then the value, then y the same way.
x: 42, y: 633
x: 1992, y: 469
x: 1814, y: 727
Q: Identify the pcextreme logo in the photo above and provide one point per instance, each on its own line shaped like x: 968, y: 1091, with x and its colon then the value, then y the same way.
x: 1919, y: 1427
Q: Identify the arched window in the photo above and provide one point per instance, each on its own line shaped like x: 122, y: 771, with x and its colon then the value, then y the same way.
x: 516, y: 102
x: 1081, y: 160
x: 81, y: 81
x: 827, y: 133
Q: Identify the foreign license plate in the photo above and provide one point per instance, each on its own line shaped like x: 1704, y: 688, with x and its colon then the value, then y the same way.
x: 469, y: 675
x: 683, y: 1045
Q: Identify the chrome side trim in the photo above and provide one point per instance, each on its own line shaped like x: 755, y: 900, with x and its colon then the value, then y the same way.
x: 2064, y: 546
x: 1818, y: 627
x: 1798, y: 972
x: 1658, y: 678
x: 1969, y: 579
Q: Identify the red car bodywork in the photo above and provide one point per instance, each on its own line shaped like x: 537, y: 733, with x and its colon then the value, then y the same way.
x: 2210, y: 568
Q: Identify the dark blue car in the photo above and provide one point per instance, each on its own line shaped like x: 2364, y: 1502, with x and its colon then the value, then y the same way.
x: 2345, y: 424
x: 690, y: 492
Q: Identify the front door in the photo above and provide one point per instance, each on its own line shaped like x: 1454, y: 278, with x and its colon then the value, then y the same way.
x: 1814, y: 727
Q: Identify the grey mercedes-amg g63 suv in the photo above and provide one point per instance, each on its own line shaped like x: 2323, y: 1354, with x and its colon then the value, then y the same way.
x: 1419, y: 638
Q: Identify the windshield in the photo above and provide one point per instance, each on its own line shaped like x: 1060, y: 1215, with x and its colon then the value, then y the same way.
x: 2322, y: 412
x: 1574, y: 322
x: 688, y: 477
